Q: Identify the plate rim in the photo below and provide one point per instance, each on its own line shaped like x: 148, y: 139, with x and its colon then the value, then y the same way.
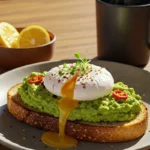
x: 46, y: 62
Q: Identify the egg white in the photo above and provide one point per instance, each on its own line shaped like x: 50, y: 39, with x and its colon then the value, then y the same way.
x: 95, y: 84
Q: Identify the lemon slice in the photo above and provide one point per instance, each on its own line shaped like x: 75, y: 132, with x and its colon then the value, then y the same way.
x: 8, y: 35
x: 33, y: 36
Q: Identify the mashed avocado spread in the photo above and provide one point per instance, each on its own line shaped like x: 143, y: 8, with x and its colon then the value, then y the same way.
x: 102, y: 109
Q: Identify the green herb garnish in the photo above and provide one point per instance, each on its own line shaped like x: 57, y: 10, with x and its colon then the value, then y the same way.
x: 65, y: 65
x: 81, y: 65
x: 77, y: 55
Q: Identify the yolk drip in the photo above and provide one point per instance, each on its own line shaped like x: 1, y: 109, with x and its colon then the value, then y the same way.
x: 66, y: 105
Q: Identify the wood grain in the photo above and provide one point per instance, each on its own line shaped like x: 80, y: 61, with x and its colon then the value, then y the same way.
x: 73, y: 22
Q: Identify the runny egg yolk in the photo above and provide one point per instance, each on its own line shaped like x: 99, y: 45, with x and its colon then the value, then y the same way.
x: 66, y: 105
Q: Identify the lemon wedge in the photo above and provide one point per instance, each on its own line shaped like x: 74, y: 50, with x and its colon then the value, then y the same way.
x: 8, y: 35
x: 33, y: 36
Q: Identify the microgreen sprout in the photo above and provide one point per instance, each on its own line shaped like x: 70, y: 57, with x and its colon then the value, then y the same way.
x: 81, y: 65
x: 65, y: 65
x: 84, y: 60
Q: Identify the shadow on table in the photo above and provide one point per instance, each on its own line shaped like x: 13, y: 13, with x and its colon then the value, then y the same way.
x: 29, y: 137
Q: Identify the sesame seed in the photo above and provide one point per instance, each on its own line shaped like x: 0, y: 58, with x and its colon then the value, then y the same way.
x: 85, y: 130
x: 84, y: 135
x: 74, y: 130
x: 89, y: 137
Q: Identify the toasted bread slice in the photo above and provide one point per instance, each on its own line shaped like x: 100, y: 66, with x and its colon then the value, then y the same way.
x: 99, y: 132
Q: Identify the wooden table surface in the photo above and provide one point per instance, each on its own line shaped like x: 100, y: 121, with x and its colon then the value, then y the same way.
x: 73, y: 22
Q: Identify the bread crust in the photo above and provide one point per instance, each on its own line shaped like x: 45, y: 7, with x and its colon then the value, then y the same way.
x: 103, y: 132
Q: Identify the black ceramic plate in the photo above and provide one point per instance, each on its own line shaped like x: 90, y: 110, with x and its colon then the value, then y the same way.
x: 19, y: 136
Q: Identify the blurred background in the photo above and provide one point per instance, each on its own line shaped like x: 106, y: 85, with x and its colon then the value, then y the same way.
x: 62, y: 17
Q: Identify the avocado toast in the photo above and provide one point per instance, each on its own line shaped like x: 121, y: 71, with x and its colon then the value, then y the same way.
x: 97, y: 131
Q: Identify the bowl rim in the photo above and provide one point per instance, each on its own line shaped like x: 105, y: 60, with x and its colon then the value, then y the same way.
x: 43, y: 45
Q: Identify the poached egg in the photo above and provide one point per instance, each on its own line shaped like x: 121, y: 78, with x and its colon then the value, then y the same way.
x: 95, y: 83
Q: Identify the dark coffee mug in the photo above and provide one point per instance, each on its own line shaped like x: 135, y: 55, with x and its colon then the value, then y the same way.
x: 123, y: 32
